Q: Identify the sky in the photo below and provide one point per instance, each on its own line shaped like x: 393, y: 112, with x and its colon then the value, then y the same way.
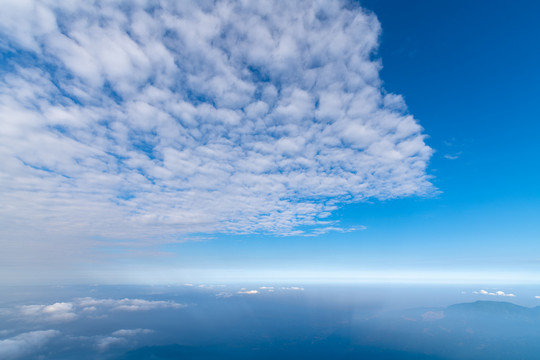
x: 330, y: 141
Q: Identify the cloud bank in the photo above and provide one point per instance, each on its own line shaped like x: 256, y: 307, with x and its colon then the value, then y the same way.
x: 138, y: 119
x: 87, y: 306
x: 25, y: 344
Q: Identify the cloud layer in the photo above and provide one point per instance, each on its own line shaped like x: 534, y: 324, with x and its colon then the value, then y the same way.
x: 25, y: 343
x: 138, y: 119
x: 69, y: 311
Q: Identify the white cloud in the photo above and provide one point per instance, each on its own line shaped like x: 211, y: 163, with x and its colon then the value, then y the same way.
x: 25, y: 344
x: 106, y: 342
x: 293, y: 288
x: 57, y: 312
x: 128, y: 304
x: 248, y: 292
x: 496, y: 293
x: 120, y: 338
x: 452, y: 157
x: 68, y: 311
x: 432, y: 315
x: 132, y: 332
x: 131, y: 120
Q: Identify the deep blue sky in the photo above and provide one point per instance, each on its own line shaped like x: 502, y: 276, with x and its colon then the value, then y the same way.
x: 468, y: 72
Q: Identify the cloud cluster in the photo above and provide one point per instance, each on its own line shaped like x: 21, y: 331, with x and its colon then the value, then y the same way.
x: 68, y: 311
x: 56, y: 312
x: 248, y: 292
x: 496, y: 293
x: 88, y: 304
x: 120, y: 338
x: 25, y: 344
x: 136, y: 119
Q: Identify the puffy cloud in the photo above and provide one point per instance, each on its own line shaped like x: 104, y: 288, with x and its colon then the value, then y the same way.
x: 68, y: 311
x: 135, y: 119
x: 25, y: 344
x: 57, y: 312
x: 248, y: 292
x: 496, y: 293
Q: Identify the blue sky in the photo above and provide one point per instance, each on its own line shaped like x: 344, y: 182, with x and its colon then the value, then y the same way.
x: 297, y: 142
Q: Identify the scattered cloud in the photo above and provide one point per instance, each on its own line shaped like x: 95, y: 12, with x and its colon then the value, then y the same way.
x: 224, y: 294
x: 248, y: 292
x: 432, y: 315
x: 151, y: 119
x: 128, y: 304
x: 327, y: 229
x: 57, y: 312
x: 25, y: 344
x: 68, y: 311
x: 104, y: 343
x: 496, y: 293
x: 452, y: 156
x: 120, y: 338
x: 293, y: 288
x: 132, y: 332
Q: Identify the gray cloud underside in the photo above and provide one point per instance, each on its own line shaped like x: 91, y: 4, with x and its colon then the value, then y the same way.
x: 136, y: 119
x: 25, y: 344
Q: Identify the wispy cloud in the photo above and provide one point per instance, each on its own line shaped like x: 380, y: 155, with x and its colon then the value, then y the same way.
x: 132, y: 332
x: 452, y: 156
x: 106, y: 342
x: 138, y: 119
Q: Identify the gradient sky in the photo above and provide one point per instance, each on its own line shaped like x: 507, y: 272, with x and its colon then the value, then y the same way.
x: 299, y: 142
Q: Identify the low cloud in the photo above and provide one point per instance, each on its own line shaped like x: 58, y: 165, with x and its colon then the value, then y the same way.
x: 57, y: 312
x: 293, y: 288
x: 122, y: 337
x: 104, y: 343
x: 25, y: 344
x: 132, y: 332
x: 127, y: 304
x: 248, y: 292
x: 432, y: 315
x: 68, y: 311
x: 495, y: 293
